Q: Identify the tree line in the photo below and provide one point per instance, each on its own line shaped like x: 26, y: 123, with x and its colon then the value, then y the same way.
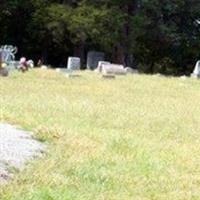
x: 155, y: 36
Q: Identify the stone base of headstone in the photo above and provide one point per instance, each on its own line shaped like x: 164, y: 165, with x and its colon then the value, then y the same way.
x: 44, y: 67
x: 73, y: 75
x: 63, y: 70
x: 113, y: 69
x: 183, y: 77
x: 130, y: 70
x: 108, y: 76
x: 195, y: 76
x: 58, y: 70
x: 4, y: 72
x: 13, y: 65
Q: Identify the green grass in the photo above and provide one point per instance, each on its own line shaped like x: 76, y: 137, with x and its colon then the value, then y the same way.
x: 136, y: 137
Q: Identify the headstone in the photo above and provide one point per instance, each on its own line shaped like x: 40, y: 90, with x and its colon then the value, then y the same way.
x: 74, y: 63
x: 113, y: 69
x: 93, y: 58
x: 100, y: 64
x: 196, y: 72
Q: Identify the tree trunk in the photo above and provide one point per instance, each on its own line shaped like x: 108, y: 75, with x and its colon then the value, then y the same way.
x: 122, y: 51
x: 118, y: 55
x: 79, y: 51
x: 44, y: 56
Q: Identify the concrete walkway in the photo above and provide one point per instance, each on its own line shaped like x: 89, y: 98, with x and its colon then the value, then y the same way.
x: 17, y: 147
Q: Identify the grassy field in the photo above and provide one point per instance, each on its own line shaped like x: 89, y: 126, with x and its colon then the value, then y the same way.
x: 136, y: 137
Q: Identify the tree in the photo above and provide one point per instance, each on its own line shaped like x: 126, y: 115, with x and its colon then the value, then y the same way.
x: 152, y: 35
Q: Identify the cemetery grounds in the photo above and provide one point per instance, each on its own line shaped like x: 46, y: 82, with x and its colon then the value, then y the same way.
x: 136, y: 137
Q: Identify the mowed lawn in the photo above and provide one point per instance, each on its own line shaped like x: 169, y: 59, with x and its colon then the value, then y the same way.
x: 136, y: 137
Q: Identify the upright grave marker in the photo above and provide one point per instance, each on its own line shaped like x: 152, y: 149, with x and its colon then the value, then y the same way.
x: 196, y: 72
x: 74, y: 63
x: 93, y: 59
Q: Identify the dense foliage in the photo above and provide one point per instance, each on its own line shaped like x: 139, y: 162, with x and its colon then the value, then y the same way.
x: 148, y: 34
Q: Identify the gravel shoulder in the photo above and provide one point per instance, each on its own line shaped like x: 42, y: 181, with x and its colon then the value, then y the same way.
x: 17, y: 147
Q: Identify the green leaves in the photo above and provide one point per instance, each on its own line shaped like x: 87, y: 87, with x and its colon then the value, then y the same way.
x: 146, y: 30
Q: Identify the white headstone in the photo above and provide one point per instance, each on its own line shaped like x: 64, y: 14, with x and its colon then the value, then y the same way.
x: 74, y: 63
x: 113, y: 69
x: 93, y: 58
x: 100, y: 64
x: 196, y: 72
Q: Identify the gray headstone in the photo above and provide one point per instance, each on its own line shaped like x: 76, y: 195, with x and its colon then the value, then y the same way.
x: 113, y: 69
x: 93, y: 59
x: 196, y: 72
x: 74, y: 63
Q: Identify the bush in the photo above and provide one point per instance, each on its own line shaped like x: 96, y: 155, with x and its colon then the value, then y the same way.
x: 165, y: 66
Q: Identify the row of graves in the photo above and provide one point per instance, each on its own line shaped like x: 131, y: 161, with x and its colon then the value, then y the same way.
x: 8, y: 62
x: 96, y: 62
